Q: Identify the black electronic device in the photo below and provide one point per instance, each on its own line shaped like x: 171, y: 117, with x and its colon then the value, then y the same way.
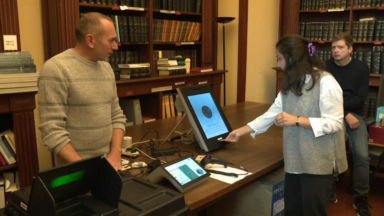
x: 205, y: 116
x: 87, y: 187
x: 184, y: 173
x: 210, y: 160
x: 92, y: 187
x: 140, y: 197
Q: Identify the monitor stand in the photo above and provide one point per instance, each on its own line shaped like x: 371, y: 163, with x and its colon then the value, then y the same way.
x: 174, y: 129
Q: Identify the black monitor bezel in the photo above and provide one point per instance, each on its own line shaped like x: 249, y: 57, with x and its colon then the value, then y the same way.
x: 200, y: 178
x: 212, y: 143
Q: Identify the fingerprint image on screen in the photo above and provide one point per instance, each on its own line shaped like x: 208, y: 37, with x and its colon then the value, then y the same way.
x: 208, y: 115
x: 185, y: 171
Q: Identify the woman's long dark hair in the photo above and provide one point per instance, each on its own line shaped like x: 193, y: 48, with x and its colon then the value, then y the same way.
x: 294, y: 48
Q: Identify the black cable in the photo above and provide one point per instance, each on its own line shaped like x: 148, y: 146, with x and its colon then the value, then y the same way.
x: 166, y: 160
x: 157, y: 134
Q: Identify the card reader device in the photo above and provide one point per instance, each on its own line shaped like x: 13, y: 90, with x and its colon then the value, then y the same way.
x: 184, y: 173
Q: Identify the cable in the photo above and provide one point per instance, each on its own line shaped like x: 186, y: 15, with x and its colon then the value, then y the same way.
x: 149, y: 156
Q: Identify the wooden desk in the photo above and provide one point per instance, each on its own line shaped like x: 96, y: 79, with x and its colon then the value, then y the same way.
x: 259, y: 157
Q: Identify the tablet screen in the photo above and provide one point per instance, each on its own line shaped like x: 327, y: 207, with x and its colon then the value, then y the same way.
x: 185, y: 171
x: 208, y: 115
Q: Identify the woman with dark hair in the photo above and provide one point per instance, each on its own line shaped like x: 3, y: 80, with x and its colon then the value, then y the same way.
x: 310, y: 108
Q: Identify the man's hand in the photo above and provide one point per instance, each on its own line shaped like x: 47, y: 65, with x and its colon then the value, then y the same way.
x: 352, y: 121
x: 115, y: 160
x: 285, y: 119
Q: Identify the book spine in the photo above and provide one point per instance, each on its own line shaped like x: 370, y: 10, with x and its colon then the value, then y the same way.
x: 365, y: 31
x: 6, y: 153
x: 367, y: 59
x: 360, y: 31
x: 143, y: 3
x: 376, y: 62
x: 9, y: 146
x: 18, y: 69
x: 382, y: 62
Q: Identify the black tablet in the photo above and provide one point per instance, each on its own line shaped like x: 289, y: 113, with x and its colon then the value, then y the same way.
x: 184, y: 173
x: 205, y: 115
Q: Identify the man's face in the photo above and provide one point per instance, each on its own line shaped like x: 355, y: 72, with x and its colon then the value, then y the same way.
x: 106, y: 43
x: 340, y: 50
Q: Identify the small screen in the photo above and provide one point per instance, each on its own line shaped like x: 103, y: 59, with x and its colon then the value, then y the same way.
x: 208, y: 115
x: 185, y: 171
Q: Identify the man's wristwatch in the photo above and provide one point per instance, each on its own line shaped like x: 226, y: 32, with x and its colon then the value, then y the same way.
x: 297, y: 121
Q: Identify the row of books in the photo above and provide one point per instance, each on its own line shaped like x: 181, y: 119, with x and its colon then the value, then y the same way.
x: 324, y: 55
x: 324, y: 4
x: 172, y: 66
x: 124, y: 57
x: 371, y: 30
x: 175, y: 31
x: 367, y: 3
x: 186, y: 53
x: 374, y: 60
x: 369, y: 107
x: 322, y: 30
x: 129, y: 3
x: 191, y: 6
x: 7, y: 148
x: 168, y: 106
x: 17, y: 73
x: 131, y: 29
x: 132, y: 71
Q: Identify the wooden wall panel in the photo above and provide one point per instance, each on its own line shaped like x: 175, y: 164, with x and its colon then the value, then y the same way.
x: 9, y: 21
x: 59, y: 21
x: 289, y: 17
x: 210, y: 32
x: 242, y: 51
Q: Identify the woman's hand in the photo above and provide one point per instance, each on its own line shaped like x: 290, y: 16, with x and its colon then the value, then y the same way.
x: 285, y: 119
x: 236, y: 134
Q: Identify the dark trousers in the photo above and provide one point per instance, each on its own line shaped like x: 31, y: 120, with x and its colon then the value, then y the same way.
x: 306, y: 195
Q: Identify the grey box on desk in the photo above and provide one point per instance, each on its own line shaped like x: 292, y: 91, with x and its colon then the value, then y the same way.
x: 132, y: 110
x: 264, y: 197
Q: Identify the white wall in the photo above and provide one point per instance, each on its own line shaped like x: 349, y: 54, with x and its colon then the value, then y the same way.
x: 263, y: 22
x: 31, y: 39
x: 229, y: 8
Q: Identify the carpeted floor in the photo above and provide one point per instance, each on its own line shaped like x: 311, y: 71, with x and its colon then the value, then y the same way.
x: 345, y: 201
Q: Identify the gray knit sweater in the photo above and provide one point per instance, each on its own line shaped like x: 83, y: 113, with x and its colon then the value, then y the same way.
x: 78, y: 104
x: 303, y: 152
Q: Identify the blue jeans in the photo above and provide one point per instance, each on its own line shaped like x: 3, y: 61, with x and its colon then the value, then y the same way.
x: 358, y: 147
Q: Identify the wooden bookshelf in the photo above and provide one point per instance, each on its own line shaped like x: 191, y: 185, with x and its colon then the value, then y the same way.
x: 61, y: 16
x: 16, y: 110
x: 20, y: 106
x: 291, y: 14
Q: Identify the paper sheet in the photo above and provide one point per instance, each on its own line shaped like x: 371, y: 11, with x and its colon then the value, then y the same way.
x: 224, y: 178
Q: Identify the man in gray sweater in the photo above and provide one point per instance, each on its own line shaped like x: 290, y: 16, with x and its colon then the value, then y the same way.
x: 79, y: 108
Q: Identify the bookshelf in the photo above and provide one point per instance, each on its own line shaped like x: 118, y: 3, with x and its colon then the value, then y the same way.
x: 61, y: 16
x: 16, y: 110
x: 292, y: 13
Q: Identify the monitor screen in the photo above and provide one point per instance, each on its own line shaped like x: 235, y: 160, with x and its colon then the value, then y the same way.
x: 208, y: 115
x: 205, y: 115
x: 185, y: 171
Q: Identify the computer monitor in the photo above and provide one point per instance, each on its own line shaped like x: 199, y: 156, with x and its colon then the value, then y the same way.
x: 205, y: 116
x: 184, y: 173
